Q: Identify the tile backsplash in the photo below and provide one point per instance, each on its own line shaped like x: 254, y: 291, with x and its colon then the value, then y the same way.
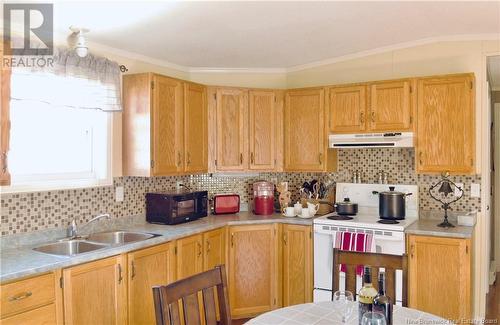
x: 25, y: 212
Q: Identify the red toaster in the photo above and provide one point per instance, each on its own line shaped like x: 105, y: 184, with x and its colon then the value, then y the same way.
x: 226, y: 203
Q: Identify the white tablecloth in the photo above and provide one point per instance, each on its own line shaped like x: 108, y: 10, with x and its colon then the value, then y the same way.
x: 323, y: 313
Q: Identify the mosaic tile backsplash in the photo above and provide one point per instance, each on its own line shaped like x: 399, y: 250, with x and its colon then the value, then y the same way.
x: 27, y: 212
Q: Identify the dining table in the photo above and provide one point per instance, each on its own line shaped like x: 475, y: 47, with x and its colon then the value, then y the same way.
x: 330, y: 312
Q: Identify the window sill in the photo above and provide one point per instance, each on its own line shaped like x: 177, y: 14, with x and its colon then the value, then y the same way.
x: 56, y: 186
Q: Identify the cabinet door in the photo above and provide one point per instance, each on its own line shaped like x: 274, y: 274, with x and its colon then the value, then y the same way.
x: 347, y: 109
x: 297, y: 265
x: 391, y: 106
x: 189, y: 256
x: 96, y: 292
x: 167, y: 126
x: 439, y: 271
x: 445, y: 128
x: 253, y: 269
x: 147, y: 268
x: 262, y: 124
x: 214, y: 243
x: 231, y: 121
x: 305, y: 130
x: 195, y: 128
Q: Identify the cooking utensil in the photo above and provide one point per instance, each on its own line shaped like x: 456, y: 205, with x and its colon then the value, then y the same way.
x: 346, y: 207
x: 392, y: 204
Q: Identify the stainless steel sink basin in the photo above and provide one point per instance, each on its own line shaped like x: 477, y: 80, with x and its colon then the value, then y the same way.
x: 119, y: 237
x: 69, y: 248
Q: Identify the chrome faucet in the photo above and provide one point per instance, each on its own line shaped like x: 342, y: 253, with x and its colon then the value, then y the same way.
x: 72, y: 228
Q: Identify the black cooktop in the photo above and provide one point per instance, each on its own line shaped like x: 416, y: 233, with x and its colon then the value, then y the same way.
x: 339, y: 217
x: 388, y: 222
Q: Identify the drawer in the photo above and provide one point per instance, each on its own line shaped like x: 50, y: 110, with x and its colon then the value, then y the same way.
x: 45, y: 315
x: 27, y: 294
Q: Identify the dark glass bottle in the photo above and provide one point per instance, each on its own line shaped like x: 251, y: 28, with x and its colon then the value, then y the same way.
x: 383, y: 303
x: 366, y: 294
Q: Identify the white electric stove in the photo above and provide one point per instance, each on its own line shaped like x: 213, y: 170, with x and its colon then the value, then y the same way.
x: 387, y: 238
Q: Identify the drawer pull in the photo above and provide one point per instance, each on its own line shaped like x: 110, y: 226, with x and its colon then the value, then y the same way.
x: 21, y: 296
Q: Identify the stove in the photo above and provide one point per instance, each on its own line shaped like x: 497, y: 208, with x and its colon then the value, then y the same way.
x: 388, y: 238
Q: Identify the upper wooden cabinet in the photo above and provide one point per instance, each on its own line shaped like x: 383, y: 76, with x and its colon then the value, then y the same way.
x: 347, y: 109
x: 445, y: 128
x: 96, y: 292
x: 164, y: 126
x: 440, y: 270
x: 253, y: 269
x: 391, y: 106
x: 304, y: 129
x: 147, y: 268
x: 231, y: 129
x: 195, y: 128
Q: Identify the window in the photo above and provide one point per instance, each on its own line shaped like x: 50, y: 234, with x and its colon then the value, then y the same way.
x: 53, y: 146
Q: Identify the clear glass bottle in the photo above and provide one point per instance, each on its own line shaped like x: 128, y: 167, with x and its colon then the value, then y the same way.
x: 366, y: 294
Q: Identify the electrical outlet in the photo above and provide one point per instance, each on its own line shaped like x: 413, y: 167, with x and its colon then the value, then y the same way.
x: 119, y: 194
x: 475, y: 190
x: 457, y: 192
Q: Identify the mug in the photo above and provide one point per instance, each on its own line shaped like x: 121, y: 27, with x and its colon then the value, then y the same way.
x: 313, y: 208
x: 305, y: 213
x: 298, y: 208
x: 289, y: 212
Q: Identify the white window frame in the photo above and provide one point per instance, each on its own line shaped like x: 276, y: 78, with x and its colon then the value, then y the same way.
x: 71, y: 181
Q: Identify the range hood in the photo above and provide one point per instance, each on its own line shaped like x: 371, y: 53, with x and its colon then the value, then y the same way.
x: 371, y: 140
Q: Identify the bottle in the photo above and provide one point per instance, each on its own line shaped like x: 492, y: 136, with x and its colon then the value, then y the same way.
x: 382, y: 303
x: 366, y: 294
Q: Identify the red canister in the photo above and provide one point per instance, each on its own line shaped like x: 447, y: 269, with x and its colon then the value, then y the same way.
x: 263, y: 198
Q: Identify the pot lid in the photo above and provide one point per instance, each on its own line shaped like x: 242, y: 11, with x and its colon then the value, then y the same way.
x: 392, y: 192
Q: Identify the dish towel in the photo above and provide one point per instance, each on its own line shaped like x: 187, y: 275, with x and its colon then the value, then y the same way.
x: 354, y: 242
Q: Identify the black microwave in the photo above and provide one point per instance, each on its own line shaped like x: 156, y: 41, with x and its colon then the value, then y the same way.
x: 170, y: 208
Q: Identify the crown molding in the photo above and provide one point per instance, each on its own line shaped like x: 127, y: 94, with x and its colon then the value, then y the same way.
x: 238, y: 70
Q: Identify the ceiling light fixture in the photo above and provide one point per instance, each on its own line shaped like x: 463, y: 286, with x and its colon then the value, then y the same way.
x: 81, y: 47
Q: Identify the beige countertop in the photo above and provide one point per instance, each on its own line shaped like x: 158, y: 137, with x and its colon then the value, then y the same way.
x: 19, y: 260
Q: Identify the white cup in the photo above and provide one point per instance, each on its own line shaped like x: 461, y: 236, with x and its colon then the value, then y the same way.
x: 305, y: 213
x: 289, y: 212
x: 313, y: 208
x: 298, y: 208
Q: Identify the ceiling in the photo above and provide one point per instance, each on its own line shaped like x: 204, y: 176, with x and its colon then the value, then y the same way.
x: 271, y: 34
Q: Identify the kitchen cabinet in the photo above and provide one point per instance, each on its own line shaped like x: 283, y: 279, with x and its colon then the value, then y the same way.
x: 147, y: 268
x: 195, y: 128
x: 440, y: 276
x: 214, y: 246
x: 304, y: 127
x: 297, y: 264
x: 96, y: 292
x: 347, y: 109
x: 231, y: 129
x: 446, y: 124
x: 164, y: 126
x: 35, y: 300
x: 253, y: 269
x: 391, y: 106
x: 189, y: 256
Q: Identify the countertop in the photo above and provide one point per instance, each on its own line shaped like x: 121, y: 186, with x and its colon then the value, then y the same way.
x: 19, y: 260
x: 427, y: 223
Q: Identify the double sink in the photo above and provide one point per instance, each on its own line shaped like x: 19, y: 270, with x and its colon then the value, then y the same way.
x: 72, y: 247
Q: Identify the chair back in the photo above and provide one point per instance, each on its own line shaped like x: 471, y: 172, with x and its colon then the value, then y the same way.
x: 390, y: 263
x: 185, y: 292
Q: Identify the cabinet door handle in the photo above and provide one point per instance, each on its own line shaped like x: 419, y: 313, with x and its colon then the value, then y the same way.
x: 178, y: 158
x: 420, y: 155
x: 4, y: 162
x: 21, y: 296
x: 362, y: 118
x: 132, y: 266
x: 412, y: 250
x: 251, y: 158
x: 241, y: 158
x: 320, y: 156
x: 188, y: 158
x: 120, y: 275
x: 208, y: 246
x: 200, y: 250
x: 232, y: 239
x: 284, y: 239
x: 373, y: 116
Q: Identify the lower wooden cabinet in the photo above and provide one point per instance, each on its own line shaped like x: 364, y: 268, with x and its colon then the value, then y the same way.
x: 214, y: 246
x: 297, y: 264
x: 36, y: 300
x: 189, y: 256
x: 96, y: 292
x: 440, y: 276
x: 147, y: 268
x: 253, y: 269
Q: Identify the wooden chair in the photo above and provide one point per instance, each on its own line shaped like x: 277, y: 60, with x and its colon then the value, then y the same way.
x: 391, y: 263
x: 166, y: 299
